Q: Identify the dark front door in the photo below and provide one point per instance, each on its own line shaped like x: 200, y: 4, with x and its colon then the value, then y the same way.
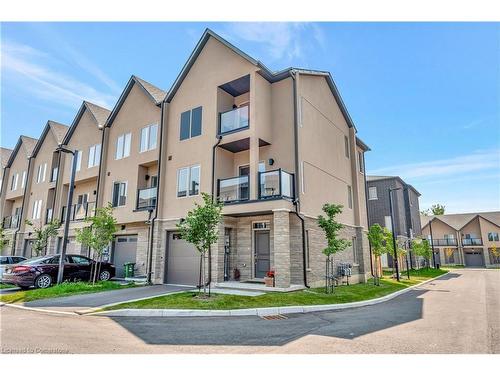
x: 262, y: 254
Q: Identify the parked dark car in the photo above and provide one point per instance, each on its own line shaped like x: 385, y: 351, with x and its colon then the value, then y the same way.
x: 7, y: 261
x: 41, y: 272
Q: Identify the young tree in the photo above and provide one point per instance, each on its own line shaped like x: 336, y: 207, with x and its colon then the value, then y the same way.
x: 200, y: 227
x: 437, y: 209
x: 98, y: 235
x: 378, y: 242
x: 42, y: 235
x: 421, y: 247
x: 331, y: 228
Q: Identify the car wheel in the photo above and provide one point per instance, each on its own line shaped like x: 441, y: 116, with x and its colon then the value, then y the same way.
x: 43, y: 281
x: 104, y: 275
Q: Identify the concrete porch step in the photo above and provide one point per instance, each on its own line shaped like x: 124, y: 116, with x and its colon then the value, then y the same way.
x: 236, y: 285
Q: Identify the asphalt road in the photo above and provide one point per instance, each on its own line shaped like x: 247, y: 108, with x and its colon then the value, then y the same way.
x: 459, y: 313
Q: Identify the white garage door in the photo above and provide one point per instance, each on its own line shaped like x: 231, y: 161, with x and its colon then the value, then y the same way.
x: 124, y: 251
x: 183, y: 261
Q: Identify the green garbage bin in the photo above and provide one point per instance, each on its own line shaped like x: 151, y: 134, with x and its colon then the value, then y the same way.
x: 129, y: 269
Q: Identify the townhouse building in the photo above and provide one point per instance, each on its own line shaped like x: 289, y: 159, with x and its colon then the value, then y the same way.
x: 273, y: 146
x: 16, y: 175
x: 469, y: 239
x: 405, y: 209
x: 4, y: 159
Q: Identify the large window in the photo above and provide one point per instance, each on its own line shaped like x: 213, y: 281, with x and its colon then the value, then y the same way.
x: 13, y: 182
x: 191, y: 123
x: 23, y: 180
x: 37, y: 209
x: 78, y: 160
x: 119, y: 194
x: 149, y: 136
x: 94, y: 156
x: 349, y: 196
x: 41, y: 171
x: 123, y: 146
x: 372, y: 193
x: 188, y: 181
x: 493, y: 236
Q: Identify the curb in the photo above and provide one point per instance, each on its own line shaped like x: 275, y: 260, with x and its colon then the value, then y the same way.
x: 261, y: 311
x: 21, y: 307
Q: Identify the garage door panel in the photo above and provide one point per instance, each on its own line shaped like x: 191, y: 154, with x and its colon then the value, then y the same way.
x: 183, y: 261
x: 474, y: 258
x: 125, y: 250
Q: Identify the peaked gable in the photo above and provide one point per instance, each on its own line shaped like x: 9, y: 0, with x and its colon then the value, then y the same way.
x: 58, y: 131
x: 98, y: 113
x: 27, y: 144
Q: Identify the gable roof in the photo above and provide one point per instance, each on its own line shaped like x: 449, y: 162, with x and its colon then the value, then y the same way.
x: 100, y: 115
x: 57, y: 129
x: 154, y: 93
x: 4, y: 156
x: 380, y: 178
x: 264, y: 71
x: 29, y: 145
x: 362, y: 145
x: 459, y: 221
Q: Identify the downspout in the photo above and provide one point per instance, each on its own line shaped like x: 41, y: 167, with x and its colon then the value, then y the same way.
x: 214, y: 148
x: 296, y: 202
x: 153, y: 219
x: 22, y: 207
x: 367, y: 214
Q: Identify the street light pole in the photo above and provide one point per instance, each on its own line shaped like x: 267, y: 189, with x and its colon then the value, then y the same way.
x: 60, y: 272
x: 395, y: 260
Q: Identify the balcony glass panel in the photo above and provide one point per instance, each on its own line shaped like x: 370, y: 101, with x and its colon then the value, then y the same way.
x: 472, y: 242
x: 276, y: 183
x: 146, y: 198
x: 234, y: 120
x: 234, y: 189
x: 79, y: 211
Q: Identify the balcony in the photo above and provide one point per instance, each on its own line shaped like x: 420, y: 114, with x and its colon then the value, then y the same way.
x: 444, y: 242
x: 234, y: 120
x: 472, y: 242
x: 234, y: 189
x: 10, y: 222
x: 276, y: 184
x: 79, y: 211
x: 146, y: 198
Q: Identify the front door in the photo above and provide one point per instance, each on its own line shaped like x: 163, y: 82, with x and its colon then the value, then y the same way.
x: 262, y: 255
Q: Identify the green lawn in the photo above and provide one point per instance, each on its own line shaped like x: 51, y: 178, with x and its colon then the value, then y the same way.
x: 62, y: 290
x: 6, y: 286
x: 314, y: 296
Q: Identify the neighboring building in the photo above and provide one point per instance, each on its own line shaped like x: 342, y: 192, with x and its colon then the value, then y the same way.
x: 273, y: 146
x: 16, y: 178
x: 464, y: 239
x: 4, y: 159
x: 406, y: 210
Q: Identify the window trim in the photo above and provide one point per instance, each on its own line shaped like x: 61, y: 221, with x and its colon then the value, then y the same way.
x: 347, y: 146
x: 23, y: 180
x: 95, y: 155
x: 14, y: 181
x: 188, y: 181
x: 124, y: 154
x: 376, y: 193
x: 190, y: 127
x: 148, y: 138
x: 78, y: 160
x: 113, y: 192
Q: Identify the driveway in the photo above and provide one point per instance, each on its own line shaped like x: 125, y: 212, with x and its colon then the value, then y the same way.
x: 87, y: 301
x: 458, y: 313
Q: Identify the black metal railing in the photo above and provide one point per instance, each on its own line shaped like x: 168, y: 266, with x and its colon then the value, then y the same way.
x: 10, y: 222
x: 79, y: 211
x: 234, y: 120
x: 472, y: 242
x: 276, y: 184
x: 444, y: 242
x: 234, y: 189
x: 146, y: 198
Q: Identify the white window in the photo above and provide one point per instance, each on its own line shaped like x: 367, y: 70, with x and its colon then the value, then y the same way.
x: 372, y: 193
x: 40, y: 175
x: 78, y: 160
x: 119, y: 194
x: 123, y: 146
x: 346, y: 146
x: 388, y: 222
x: 23, y: 180
x: 94, y: 156
x: 492, y: 236
x: 188, y: 181
x: 37, y: 209
x: 349, y: 196
x: 149, y: 136
x: 13, y: 182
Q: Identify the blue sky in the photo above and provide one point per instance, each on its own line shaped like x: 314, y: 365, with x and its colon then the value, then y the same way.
x: 425, y: 97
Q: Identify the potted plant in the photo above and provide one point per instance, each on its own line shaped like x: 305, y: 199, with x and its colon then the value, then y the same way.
x: 269, y: 278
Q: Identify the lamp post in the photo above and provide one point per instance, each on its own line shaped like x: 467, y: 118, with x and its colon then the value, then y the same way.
x: 60, y: 272
x: 395, y: 260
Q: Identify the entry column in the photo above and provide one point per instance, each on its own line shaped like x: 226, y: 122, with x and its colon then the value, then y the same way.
x: 281, y: 251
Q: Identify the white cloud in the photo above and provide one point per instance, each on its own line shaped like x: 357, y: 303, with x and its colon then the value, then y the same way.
x: 30, y: 71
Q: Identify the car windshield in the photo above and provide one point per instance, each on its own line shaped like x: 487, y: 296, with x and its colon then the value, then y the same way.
x: 36, y: 260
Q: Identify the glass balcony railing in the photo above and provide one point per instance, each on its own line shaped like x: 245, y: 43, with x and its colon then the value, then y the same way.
x: 472, y: 241
x: 79, y: 211
x: 234, y: 120
x: 233, y: 189
x: 146, y: 198
x: 445, y: 242
x: 276, y: 184
x: 10, y: 222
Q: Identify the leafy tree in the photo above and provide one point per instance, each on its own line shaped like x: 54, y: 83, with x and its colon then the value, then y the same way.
x: 331, y: 229
x: 378, y: 242
x: 200, y: 227
x: 42, y: 235
x: 421, y: 247
x: 98, y: 235
x: 3, y: 240
x: 437, y: 209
